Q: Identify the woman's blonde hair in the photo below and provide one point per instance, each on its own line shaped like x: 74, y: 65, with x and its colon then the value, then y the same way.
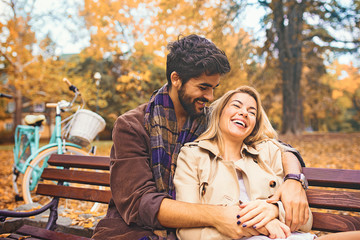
x: 262, y: 130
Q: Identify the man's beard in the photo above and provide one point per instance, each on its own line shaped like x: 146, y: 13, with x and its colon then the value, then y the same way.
x: 189, y: 106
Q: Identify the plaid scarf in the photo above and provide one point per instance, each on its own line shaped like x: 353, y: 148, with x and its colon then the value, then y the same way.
x: 165, y: 139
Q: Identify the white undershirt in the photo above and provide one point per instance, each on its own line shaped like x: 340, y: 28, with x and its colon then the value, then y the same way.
x: 244, y: 197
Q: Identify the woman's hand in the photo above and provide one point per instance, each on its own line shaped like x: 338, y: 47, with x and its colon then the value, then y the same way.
x: 277, y: 229
x: 257, y: 213
x: 226, y: 223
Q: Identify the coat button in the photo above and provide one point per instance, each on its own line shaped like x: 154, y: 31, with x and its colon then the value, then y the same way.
x: 272, y: 184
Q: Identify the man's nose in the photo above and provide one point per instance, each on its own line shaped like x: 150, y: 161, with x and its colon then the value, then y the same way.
x: 209, y: 95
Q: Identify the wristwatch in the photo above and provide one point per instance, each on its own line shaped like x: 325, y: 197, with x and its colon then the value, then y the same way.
x: 298, y: 177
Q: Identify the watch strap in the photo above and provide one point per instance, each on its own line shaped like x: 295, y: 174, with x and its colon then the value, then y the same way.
x: 293, y: 176
x: 298, y: 177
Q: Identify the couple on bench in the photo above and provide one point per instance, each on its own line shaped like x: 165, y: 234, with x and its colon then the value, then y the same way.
x: 181, y: 170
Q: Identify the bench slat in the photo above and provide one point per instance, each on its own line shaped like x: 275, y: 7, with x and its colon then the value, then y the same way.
x: 340, y: 178
x: 338, y: 200
x: 47, y: 234
x: 335, y: 223
x: 86, y: 177
x: 86, y: 194
x: 78, y: 161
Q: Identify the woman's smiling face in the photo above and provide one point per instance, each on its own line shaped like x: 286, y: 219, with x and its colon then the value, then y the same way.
x: 238, y: 118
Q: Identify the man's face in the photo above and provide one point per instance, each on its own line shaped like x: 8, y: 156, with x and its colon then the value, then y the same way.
x: 195, y: 93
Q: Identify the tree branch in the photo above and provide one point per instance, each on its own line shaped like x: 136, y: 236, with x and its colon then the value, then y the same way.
x: 7, y: 58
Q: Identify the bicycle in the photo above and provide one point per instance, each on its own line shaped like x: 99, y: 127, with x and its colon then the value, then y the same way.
x: 30, y: 159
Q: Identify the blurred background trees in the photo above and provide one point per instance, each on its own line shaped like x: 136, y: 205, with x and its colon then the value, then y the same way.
x: 294, y: 66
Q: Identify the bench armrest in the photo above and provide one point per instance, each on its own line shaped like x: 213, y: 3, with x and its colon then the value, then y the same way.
x: 52, y: 218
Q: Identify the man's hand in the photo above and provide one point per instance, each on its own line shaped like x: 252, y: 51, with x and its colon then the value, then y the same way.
x: 277, y: 229
x: 226, y: 223
x: 294, y: 199
x: 257, y: 213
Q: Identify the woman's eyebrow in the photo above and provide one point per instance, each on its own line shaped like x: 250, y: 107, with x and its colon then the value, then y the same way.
x: 235, y: 100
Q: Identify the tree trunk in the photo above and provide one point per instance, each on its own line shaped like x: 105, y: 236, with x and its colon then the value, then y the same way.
x: 288, y: 23
x: 18, y: 108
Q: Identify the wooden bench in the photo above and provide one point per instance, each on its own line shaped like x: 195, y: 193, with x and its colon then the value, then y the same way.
x: 334, y: 189
x: 76, y: 169
x: 336, y: 197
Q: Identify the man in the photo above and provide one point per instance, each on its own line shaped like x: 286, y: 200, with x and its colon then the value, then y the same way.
x: 147, y: 141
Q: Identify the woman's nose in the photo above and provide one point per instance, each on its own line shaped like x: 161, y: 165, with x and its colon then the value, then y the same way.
x: 243, y: 112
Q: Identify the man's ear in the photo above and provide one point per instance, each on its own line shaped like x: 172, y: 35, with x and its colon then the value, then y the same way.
x: 175, y: 80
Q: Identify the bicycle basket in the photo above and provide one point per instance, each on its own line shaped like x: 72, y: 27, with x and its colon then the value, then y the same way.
x: 85, y: 126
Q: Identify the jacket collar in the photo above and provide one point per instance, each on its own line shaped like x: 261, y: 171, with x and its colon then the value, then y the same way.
x: 212, y: 147
x: 249, y: 149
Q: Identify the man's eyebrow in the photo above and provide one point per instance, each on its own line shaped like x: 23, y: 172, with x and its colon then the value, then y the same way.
x: 209, y: 85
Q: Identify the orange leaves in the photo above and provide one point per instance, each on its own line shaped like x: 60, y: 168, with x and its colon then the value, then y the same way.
x: 113, y: 25
x: 348, y: 79
x: 328, y: 150
x: 7, y: 196
x: 4, y: 235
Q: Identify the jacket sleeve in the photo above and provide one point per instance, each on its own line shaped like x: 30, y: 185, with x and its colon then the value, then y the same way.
x: 131, y: 181
x: 304, y: 228
x: 276, y: 165
x: 186, y: 181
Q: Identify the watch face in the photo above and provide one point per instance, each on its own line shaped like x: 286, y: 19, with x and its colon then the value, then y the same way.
x: 304, y: 181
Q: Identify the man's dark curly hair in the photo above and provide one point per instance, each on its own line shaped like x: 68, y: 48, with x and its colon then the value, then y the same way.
x: 191, y: 56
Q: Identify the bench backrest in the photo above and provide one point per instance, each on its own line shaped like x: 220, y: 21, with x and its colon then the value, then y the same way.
x: 78, y: 173
x: 331, y: 191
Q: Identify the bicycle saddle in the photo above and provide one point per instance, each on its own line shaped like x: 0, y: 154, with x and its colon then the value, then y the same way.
x: 34, y: 120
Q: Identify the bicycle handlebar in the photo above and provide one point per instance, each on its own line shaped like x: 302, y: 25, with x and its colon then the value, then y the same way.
x: 6, y: 95
x: 71, y: 87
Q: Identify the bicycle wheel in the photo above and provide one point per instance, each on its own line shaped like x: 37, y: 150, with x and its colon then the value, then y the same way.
x: 32, y: 174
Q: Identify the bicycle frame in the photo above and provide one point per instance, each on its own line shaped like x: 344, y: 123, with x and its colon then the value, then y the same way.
x: 33, y: 141
x: 32, y: 144
x: 28, y: 155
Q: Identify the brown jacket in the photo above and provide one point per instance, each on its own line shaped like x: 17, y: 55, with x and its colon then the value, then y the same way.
x: 135, y: 202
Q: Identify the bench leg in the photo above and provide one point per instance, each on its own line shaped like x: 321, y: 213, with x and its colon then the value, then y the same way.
x: 51, y: 224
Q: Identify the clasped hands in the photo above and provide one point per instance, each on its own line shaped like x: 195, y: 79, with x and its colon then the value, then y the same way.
x: 262, y: 216
x: 253, y: 218
x: 292, y: 196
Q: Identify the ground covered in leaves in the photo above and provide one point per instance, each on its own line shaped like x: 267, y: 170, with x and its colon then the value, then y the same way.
x: 327, y: 150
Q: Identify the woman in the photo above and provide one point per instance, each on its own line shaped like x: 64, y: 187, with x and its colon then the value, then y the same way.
x: 236, y: 159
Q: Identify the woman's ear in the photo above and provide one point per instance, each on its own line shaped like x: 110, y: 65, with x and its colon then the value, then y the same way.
x: 175, y: 80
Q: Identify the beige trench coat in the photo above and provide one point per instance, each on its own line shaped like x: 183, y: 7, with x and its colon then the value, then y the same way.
x: 202, y: 176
